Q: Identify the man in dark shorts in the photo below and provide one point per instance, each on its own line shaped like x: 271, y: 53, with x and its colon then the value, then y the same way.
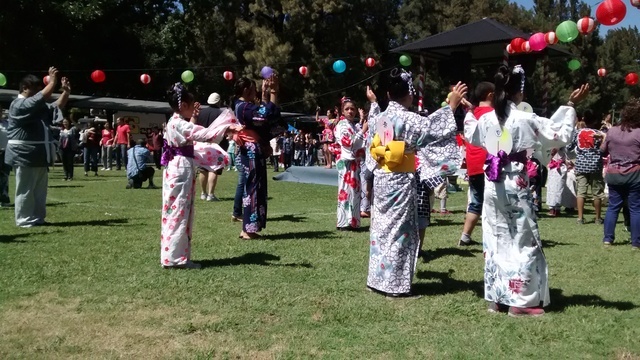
x: 475, y: 158
x: 208, y: 180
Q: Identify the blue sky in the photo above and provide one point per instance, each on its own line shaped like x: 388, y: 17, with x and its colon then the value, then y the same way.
x: 632, y: 18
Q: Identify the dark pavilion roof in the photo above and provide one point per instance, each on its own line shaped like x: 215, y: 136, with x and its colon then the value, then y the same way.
x: 484, y: 40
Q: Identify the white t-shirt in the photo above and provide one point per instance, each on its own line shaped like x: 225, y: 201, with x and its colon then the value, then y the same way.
x: 274, y: 147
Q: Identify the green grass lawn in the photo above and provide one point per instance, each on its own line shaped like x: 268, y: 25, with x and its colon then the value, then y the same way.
x: 91, y: 286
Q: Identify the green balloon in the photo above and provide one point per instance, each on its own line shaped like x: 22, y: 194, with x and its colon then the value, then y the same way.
x: 444, y: 104
x: 567, y: 31
x: 574, y: 65
x: 187, y: 76
x: 405, y: 60
x: 3, y: 80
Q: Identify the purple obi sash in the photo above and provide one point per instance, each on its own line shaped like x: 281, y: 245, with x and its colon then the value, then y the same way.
x: 496, y: 163
x: 169, y: 152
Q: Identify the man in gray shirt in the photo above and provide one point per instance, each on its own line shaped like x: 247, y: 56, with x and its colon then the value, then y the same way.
x: 31, y: 146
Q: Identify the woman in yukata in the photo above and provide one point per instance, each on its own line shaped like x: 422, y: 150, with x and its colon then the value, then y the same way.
x: 397, y: 134
x: 352, y: 154
x: 178, y: 185
x: 515, y: 275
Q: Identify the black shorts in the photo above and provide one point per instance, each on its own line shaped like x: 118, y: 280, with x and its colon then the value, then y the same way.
x: 205, y: 171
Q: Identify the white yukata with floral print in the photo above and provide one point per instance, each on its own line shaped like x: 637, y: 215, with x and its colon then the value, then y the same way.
x: 178, y: 183
x: 394, y: 238
x: 516, y: 271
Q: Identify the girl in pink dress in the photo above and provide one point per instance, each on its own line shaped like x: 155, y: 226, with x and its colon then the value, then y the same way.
x: 180, y: 161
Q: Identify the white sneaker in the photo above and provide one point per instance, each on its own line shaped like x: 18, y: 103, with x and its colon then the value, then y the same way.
x: 189, y: 265
x: 108, y: 169
x: 212, y: 198
x: 203, y: 196
x: 103, y: 169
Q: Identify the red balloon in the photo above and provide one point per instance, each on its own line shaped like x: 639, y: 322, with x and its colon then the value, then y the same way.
x: 551, y: 38
x: 602, y: 72
x: 631, y: 79
x: 98, y: 76
x: 526, y: 47
x: 516, y: 44
x: 145, y: 79
x: 228, y: 75
x: 45, y: 80
x: 586, y: 25
x: 611, y: 12
x: 370, y: 62
x: 303, y: 70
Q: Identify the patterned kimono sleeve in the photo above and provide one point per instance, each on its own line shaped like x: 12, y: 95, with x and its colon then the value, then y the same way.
x: 347, y: 138
x: 436, y: 143
x: 212, y: 134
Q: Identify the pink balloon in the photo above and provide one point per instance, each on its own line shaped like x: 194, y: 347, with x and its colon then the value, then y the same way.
x: 537, y: 42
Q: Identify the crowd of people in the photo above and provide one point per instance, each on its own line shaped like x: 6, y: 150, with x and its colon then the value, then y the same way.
x: 392, y: 163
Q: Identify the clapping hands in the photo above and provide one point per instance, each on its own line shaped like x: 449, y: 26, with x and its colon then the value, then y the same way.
x: 457, y: 94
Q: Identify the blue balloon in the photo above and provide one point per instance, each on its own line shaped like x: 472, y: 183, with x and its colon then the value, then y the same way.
x: 339, y: 66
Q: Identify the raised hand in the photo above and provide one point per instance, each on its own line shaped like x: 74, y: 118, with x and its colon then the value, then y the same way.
x: 579, y: 94
x: 371, y: 95
x: 275, y: 83
x: 53, y: 74
x: 66, y: 85
x: 457, y: 94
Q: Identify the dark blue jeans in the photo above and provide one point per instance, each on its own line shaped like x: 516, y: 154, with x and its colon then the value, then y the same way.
x: 121, y: 155
x: 90, y: 156
x: 617, y: 196
x: 237, y: 200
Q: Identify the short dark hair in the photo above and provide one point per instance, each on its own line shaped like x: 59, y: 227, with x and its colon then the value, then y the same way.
x: 141, y: 142
x: 481, y: 92
x: 590, y: 119
x: 29, y: 81
x: 630, y: 115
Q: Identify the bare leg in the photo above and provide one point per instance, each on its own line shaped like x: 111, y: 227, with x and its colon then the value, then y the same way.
x: 203, y: 181
x: 212, y: 180
x: 470, y: 223
x: 597, y: 204
x: 580, y: 201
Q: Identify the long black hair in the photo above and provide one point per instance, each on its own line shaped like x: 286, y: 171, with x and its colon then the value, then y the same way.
x: 178, y: 94
x: 507, y: 84
x: 240, y: 86
x: 399, y: 84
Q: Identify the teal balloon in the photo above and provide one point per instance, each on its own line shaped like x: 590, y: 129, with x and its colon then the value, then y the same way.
x: 187, y: 76
x: 567, y: 31
x: 405, y: 60
x: 3, y: 80
x: 339, y: 66
x: 574, y: 65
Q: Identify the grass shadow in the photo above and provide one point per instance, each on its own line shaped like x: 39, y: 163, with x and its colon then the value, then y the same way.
x: 442, y: 221
x: 298, y: 235
x: 430, y: 255
x: 259, y: 258
x: 289, y: 218
x: 14, y: 238
x: 546, y: 244
x: 105, y: 222
x: 446, y: 284
x: 560, y: 302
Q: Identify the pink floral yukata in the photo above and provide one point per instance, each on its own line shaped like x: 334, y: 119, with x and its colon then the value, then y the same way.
x: 178, y: 184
